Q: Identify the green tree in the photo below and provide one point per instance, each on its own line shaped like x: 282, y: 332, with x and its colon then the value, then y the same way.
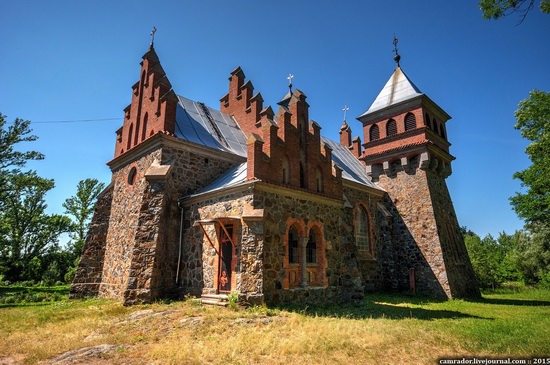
x: 496, y: 9
x: 11, y: 158
x: 27, y: 232
x: 81, y: 208
x: 533, y: 120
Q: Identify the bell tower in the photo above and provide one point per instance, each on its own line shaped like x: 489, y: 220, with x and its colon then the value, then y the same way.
x: 406, y: 152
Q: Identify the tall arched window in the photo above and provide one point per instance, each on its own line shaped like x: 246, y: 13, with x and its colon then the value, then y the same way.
x: 311, y: 248
x: 374, y: 133
x: 144, y: 131
x: 129, y: 141
x: 362, y: 233
x: 318, y: 180
x: 410, y: 122
x: 292, y: 246
x: 442, y: 132
x: 136, y: 138
x: 435, y: 129
x: 286, y: 170
x: 391, y: 128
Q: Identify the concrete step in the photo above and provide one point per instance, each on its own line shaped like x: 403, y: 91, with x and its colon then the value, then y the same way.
x: 214, y: 302
x: 220, y: 297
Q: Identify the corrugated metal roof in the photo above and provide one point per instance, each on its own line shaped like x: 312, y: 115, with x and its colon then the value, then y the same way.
x: 352, y: 168
x: 198, y: 123
x: 398, y: 88
x: 233, y: 176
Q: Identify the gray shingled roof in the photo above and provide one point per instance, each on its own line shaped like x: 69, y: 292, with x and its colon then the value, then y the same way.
x: 399, y: 88
x: 200, y: 124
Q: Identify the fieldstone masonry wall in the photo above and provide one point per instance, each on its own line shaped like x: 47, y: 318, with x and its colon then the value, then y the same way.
x: 423, y: 239
x: 89, y: 273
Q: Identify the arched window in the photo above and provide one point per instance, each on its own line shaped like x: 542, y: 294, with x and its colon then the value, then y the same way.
x: 374, y: 133
x: 292, y: 246
x: 129, y: 141
x: 136, y: 138
x: 410, y: 122
x: 362, y: 230
x: 144, y: 131
x: 435, y: 126
x: 427, y: 121
x: 318, y: 180
x: 442, y: 132
x: 311, y: 248
x: 132, y: 176
x: 391, y: 128
x: 286, y: 170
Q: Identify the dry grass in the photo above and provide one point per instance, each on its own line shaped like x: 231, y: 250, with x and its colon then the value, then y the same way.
x: 387, y: 329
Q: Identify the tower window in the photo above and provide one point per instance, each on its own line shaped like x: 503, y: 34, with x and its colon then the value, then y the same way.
x: 319, y: 180
x: 443, y: 132
x: 410, y: 122
x: 302, y: 176
x: 374, y: 133
x: 435, y: 126
x: 286, y: 170
x: 427, y: 121
x: 391, y: 128
x: 144, y: 131
x: 132, y: 176
x: 129, y: 141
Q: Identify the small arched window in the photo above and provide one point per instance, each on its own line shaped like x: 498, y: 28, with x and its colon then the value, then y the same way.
x: 130, y: 132
x: 427, y: 121
x: 362, y: 234
x: 435, y: 126
x: 391, y: 128
x: 144, y: 131
x: 132, y: 176
x: 311, y: 249
x: 318, y: 180
x: 286, y: 170
x: 292, y: 246
x: 374, y: 133
x: 410, y: 122
x: 442, y: 132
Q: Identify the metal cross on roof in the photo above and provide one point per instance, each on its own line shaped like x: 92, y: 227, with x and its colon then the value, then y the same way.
x: 345, y: 109
x: 397, y: 57
x: 153, y: 31
x: 290, y: 77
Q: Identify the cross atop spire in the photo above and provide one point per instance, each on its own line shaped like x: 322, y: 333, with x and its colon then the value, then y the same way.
x: 153, y: 31
x: 345, y: 109
x: 397, y: 57
x: 290, y: 77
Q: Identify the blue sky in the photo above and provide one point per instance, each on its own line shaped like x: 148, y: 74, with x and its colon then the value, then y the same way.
x: 77, y: 60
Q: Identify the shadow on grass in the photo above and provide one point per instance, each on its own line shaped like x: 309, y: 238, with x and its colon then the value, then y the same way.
x: 520, y: 302
x: 381, y: 306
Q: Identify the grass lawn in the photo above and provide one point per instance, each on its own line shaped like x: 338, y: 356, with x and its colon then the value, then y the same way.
x: 387, y: 329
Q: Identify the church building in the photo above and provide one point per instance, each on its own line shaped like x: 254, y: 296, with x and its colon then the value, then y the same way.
x: 255, y: 201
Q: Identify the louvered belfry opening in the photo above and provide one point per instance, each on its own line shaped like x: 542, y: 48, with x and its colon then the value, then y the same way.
x: 410, y: 122
x: 391, y: 128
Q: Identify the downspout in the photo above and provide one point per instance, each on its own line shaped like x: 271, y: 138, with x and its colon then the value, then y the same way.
x: 180, y: 244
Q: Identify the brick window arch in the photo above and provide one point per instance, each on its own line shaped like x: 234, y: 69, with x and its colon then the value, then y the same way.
x: 391, y: 128
x: 410, y: 122
x: 362, y: 230
x: 130, y: 132
x: 374, y: 132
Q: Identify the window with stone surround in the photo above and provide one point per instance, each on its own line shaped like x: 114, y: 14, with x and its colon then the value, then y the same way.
x: 391, y: 128
x: 132, y: 176
x: 374, y: 133
x: 410, y: 122
x: 362, y: 230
